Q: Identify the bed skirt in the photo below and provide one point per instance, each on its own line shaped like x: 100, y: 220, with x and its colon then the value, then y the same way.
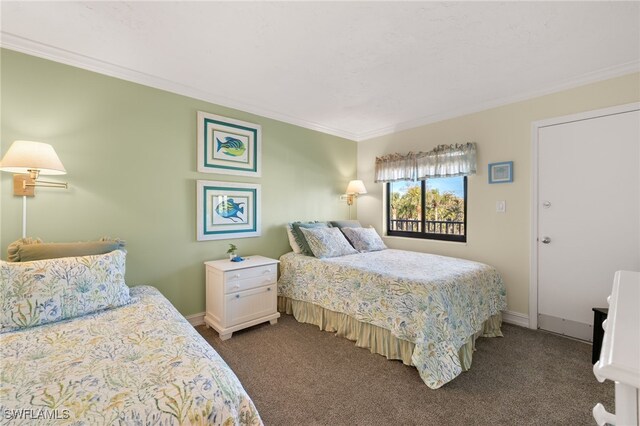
x: 377, y: 339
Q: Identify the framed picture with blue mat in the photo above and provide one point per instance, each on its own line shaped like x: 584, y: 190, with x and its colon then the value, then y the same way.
x: 227, y: 210
x: 501, y: 172
x: 228, y: 146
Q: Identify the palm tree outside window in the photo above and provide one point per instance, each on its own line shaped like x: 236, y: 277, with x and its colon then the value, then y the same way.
x: 433, y: 208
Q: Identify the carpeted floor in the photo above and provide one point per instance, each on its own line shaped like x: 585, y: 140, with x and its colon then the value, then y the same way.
x: 299, y: 375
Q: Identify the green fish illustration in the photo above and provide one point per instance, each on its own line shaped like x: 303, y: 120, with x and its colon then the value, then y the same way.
x: 231, y: 146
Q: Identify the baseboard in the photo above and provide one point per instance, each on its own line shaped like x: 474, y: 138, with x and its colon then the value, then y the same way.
x: 515, y: 318
x: 196, y: 319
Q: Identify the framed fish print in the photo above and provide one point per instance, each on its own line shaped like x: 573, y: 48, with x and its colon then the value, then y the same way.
x: 227, y: 210
x: 228, y: 146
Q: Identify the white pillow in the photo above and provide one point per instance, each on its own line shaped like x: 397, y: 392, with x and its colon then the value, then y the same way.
x: 292, y: 240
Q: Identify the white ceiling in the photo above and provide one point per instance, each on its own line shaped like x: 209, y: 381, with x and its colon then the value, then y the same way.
x: 353, y: 69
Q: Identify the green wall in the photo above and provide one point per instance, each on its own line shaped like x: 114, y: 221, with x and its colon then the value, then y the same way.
x: 130, y: 154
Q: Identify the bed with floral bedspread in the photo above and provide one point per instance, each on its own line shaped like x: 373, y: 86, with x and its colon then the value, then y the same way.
x: 141, y: 363
x: 438, y: 303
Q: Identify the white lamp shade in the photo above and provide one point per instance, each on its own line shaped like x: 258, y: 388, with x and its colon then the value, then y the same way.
x: 356, y: 187
x: 24, y: 156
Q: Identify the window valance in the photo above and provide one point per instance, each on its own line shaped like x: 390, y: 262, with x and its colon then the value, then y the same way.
x: 443, y: 161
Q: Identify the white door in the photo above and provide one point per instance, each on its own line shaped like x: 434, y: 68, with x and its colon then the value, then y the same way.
x: 588, y: 210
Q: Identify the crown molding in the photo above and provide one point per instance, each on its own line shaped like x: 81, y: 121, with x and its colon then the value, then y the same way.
x: 41, y: 50
x: 592, y: 77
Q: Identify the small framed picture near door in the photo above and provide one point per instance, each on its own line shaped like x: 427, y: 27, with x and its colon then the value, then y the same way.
x: 501, y: 172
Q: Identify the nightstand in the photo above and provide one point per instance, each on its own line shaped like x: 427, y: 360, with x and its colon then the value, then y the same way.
x: 241, y: 294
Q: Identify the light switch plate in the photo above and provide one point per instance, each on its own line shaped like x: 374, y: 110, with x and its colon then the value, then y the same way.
x: 501, y: 206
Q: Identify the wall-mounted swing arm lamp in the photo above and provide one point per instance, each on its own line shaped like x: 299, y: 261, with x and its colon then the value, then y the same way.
x: 355, y: 188
x: 28, y: 160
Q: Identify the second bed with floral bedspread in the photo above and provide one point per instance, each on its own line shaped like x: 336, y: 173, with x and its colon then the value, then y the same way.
x: 141, y: 363
x: 437, y: 303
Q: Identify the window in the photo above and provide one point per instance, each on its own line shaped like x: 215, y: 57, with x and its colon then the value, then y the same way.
x: 433, y: 208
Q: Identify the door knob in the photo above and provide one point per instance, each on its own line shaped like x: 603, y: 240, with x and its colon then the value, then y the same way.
x: 546, y: 240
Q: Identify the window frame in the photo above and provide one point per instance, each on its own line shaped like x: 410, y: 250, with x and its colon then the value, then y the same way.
x: 422, y: 234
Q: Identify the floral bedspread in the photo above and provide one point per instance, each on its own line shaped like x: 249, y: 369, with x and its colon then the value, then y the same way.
x: 435, y: 302
x: 140, y: 364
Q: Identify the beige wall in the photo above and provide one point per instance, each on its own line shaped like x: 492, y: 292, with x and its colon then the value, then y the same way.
x: 502, y: 134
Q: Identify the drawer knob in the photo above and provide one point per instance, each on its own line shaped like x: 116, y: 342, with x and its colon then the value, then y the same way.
x: 237, y: 296
x: 268, y: 288
x: 268, y: 270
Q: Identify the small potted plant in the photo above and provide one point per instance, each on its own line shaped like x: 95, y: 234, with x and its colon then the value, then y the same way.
x: 232, y: 251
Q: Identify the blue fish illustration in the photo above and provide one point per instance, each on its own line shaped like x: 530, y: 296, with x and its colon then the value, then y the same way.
x: 231, y: 146
x: 229, y: 209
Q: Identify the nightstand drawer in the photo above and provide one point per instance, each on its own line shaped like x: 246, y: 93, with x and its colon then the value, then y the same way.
x: 247, y: 305
x: 242, y: 274
x: 249, y: 283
